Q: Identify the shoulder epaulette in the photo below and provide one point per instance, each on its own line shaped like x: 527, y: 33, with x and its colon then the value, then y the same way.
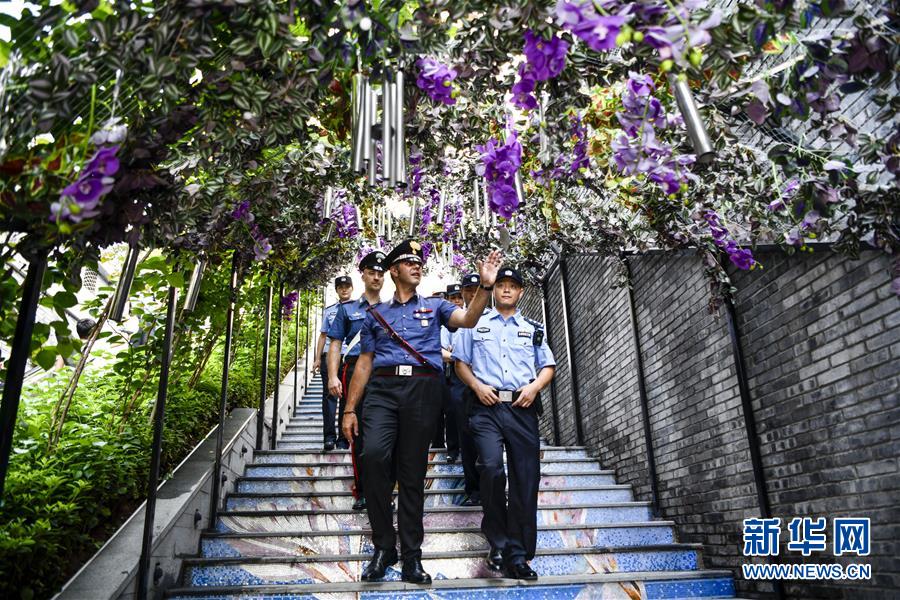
x: 348, y: 301
x: 537, y: 324
x: 330, y: 305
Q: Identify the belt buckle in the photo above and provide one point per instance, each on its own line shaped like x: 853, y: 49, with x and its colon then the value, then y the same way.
x: 506, y: 396
x: 404, y: 370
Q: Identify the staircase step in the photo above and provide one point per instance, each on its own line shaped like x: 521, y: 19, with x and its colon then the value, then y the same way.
x: 314, y: 453
x: 275, y: 458
x: 323, y: 519
x: 451, y: 497
x: 437, y: 539
x: 295, y: 470
x: 649, y: 585
x: 279, y: 481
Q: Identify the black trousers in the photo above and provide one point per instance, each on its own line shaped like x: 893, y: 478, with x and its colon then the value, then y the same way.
x: 467, y: 449
x: 346, y: 375
x: 329, y: 405
x: 512, y: 527
x: 398, y: 421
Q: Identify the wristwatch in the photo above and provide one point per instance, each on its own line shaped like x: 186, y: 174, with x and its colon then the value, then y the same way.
x: 486, y: 288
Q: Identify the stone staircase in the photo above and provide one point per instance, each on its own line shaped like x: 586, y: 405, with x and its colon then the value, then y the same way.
x: 288, y: 533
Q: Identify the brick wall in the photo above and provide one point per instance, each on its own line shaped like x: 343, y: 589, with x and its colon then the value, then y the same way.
x: 821, y: 337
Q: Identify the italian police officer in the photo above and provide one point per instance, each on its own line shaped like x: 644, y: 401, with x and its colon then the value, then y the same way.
x: 506, y: 362
x: 343, y: 285
x: 345, y: 332
x: 400, y: 360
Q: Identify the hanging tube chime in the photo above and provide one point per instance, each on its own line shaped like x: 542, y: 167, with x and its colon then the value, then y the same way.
x: 361, y: 125
x: 193, y: 291
x: 693, y: 122
x: 388, y: 176
x: 412, y: 217
x: 123, y: 288
x: 372, y: 109
x: 399, y: 122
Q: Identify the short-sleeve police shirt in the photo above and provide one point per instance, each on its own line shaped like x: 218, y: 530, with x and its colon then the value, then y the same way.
x: 418, y: 321
x: 502, y: 352
x: 347, y: 323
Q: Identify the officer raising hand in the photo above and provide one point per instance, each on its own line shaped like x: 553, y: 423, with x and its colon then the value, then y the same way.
x: 401, y: 353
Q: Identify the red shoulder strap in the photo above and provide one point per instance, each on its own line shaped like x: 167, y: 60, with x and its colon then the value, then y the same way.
x: 397, y: 337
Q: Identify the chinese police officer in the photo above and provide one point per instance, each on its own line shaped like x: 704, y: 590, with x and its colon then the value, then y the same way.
x: 506, y: 362
x: 343, y: 285
x: 345, y: 331
x: 400, y: 360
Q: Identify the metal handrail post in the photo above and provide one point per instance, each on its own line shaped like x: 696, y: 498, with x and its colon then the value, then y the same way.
x: 554, y: 409
x: 573, y: 370
x: 275, y: 399
x: 261, y: 411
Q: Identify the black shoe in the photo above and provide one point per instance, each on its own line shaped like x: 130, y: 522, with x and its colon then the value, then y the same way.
x: 495, y: 560
x: 520, y: 570
x: 329, y: 446
x: 381, y: 560
x: 471, y: 500
x: 360, y: 504
x: 343, y: 445
x: 414, y: 573
x: 452, y: 458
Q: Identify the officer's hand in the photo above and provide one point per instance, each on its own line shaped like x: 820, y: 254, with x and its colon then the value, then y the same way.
x: 486, y: 394
x: 349, y: 426
x: 334, y: 387
x: 489, y: 268
x: 316, y: 366
x: 527, y: 394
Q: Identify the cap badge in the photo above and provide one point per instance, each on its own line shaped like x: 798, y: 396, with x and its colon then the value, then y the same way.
x: 415, y: 246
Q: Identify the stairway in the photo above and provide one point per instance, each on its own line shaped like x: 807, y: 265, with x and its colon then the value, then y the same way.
x: 288, y: 533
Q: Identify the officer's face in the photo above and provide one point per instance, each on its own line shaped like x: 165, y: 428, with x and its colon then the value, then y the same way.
x: 469, y: 294
x: 372, y: 279
x: 507, y: 293
x: 344, y: 290
x: 407, y: 272
x: 456, y: 299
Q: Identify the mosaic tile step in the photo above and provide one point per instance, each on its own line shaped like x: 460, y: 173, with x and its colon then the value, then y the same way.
x: 437, y: 467
x: 262, y: 479
x: 315, y: 453
x: 433, y: 497
x: 311, y: 446
x: 651, y: 585
x: 301, y: 522
x: 358, y: 541
x: 461, y: 565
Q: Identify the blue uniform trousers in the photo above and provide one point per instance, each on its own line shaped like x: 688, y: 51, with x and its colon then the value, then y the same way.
x: 511, y: 527
x: 467, y: 450
x: 329, y: 405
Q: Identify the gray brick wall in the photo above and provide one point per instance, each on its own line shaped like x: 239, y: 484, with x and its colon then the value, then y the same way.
x: 821, y: 337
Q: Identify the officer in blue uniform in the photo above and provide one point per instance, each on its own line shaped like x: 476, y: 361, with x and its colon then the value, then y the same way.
x: 454, y: 295
x: 400, y: 360
x: 343, y: 285
x: 345, y: 331
x: 506, y: 362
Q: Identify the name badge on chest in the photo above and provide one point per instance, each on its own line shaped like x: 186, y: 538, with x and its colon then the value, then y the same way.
x: 424, y: 322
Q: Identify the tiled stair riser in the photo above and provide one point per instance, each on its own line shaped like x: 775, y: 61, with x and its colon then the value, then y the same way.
x: 344, y: 484
x: 449, y: 568
x: 469, y: 539
x: 314, y: 454
x: 283, y: 468
x: 471, y: 518
x: 341, y: 502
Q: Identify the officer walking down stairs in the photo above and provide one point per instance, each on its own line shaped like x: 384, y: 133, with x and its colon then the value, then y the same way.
x: 506, y: 362
x: 401, y: 352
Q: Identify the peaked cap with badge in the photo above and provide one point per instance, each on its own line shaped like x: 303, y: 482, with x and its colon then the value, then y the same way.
x: 454, y: 289
x: 342, y: 280
x: 373, y: 260
x: 410, y: 250
x: 471, y: 279
x: 506, y: 272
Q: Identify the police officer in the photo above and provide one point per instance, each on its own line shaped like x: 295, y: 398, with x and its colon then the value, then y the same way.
x: 469, y: 451
x: 454, y: 295
x: 345, y: 332
x: 401, y: 353
x: 343, y: 285
x: 506, y: 362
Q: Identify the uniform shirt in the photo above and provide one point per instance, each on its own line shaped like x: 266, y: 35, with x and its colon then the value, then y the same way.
x: 418, y: 321
x: 501, y: 351
x: 446, y: 338
x: 347, y: 323
x: 327, y: 319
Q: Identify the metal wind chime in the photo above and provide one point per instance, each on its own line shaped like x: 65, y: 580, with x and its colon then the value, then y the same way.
x: 693, y: 122
x: 390, y: 171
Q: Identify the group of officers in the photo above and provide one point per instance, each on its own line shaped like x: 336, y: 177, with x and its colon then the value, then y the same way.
x: 393, y: 368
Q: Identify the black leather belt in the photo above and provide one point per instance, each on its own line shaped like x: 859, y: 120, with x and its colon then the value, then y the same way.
x: 405, y: 371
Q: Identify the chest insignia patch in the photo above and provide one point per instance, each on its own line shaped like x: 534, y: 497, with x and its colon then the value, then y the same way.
x: 484, y: 329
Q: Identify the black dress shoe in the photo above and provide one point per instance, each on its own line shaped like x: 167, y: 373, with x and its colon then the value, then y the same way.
x: 329, y: 446
x: 343, y: 445
x: 495, y: 559
x: 381, y: 560
x: 360, y: 504
x: 414, y: 573
x: 452, y: 458
x: 520, y: 570
x: 471, y: 500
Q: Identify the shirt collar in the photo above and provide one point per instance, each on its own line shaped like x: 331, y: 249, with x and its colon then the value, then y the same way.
x: 515, y: 318
x: 413, y: 298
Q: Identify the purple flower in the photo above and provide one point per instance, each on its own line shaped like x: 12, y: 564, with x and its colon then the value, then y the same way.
x: 436, y: 80
x: 546, y: 58
x: 345, y: 220
x: 242, y: 212
x: 581, y: 18
x: 742, y: 258
x: 523, y: 88
x: 103, y: 163
x: 459, y: 262
x: 85, y: 191
x: 80, y: 200
x: 287, y: 304
x: 500, y: 165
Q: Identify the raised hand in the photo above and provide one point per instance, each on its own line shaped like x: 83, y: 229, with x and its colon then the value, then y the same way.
x: 489, y: 267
